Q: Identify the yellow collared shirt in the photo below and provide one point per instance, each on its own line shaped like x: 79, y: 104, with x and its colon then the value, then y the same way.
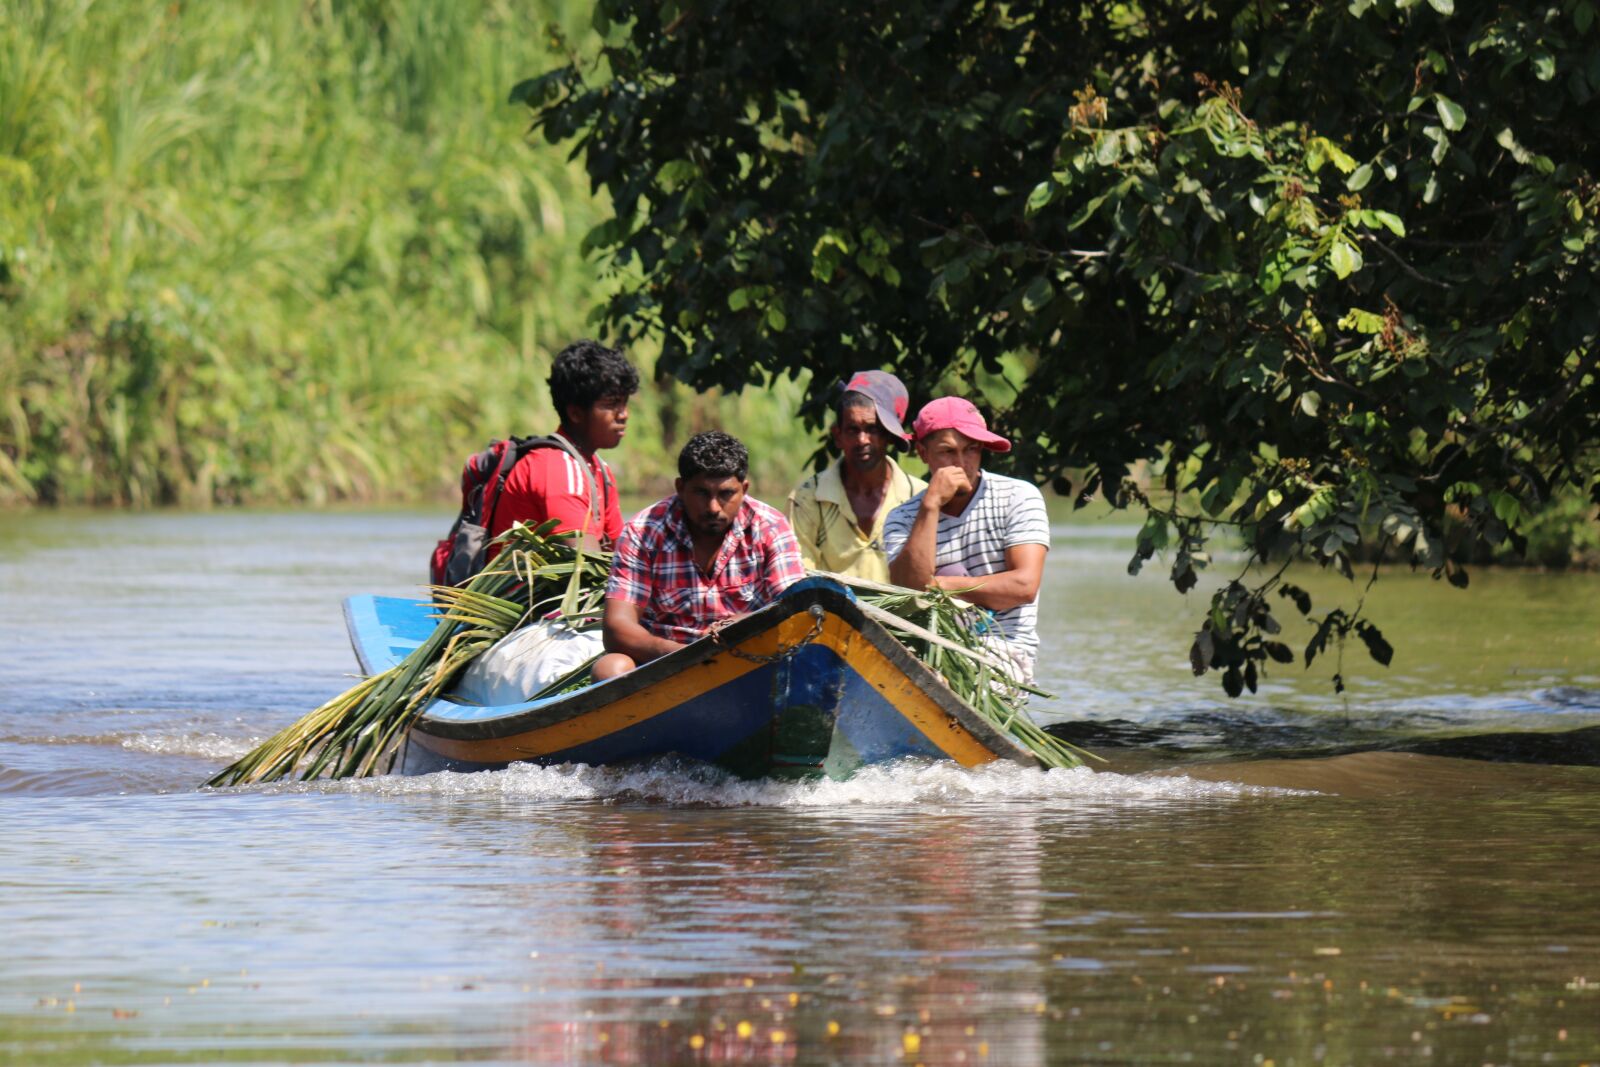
x: 825, y: 525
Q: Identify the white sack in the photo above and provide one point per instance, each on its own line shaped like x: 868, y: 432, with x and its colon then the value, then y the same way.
x: 525, y: 661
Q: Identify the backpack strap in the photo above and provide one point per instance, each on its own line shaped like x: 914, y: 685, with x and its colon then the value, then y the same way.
x: 524, y: 445
x: 596, y: 504
x: 497, y: 480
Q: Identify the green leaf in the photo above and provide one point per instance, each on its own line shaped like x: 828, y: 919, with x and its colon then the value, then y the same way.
x: 739, y: 299
x: 1311, y: 402
x: 1508, y: 140
x: 1443, y: 7
x: 1450, y: 112
x: 1361, y: 321
x: 1389, y: 221
x: 1083, y: 214
x: 1544, y: 65
x: 1359, y: 179
x: 776, y: 319
x: 1041, y: 196
x: 1507, y: 508
x: 1273, y: 269
x: 1109, y: 150
x: 1038, y: 295
x: 1341, y: 158
x: 1345, y: 258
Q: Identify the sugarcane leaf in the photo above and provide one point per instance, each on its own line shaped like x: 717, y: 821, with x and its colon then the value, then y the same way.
x: 569, y: 603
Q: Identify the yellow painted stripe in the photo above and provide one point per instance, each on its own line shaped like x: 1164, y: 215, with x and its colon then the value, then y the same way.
x: 864, y: 657
x: 904, y: 696
x: 645, y: 704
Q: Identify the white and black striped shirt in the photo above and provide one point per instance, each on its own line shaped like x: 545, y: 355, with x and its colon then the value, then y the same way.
x: 1002, y: 513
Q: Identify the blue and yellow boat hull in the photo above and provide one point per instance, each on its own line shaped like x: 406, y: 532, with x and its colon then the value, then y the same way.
x: 807, y: 685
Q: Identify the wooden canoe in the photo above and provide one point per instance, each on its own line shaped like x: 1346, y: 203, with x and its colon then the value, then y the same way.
x: 807, y: 685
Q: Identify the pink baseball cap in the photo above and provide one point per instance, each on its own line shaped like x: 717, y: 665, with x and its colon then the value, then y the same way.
x: 956, y: 413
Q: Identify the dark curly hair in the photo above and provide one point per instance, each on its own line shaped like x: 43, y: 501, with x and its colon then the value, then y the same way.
x: 715, y: 453
x: 585, y: 371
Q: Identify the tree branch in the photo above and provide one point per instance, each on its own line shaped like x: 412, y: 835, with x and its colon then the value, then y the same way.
x: 1403, y: 265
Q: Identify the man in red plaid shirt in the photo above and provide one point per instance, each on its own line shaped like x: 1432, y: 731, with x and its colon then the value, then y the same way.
x: 706, y: 554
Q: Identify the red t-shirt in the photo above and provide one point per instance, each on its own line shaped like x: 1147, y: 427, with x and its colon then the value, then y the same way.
x: 547, y: 483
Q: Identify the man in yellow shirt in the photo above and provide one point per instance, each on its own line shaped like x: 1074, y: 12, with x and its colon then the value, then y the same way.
x: 838, y: 514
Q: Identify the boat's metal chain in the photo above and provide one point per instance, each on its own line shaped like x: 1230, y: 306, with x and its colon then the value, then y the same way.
x: 817, y: 617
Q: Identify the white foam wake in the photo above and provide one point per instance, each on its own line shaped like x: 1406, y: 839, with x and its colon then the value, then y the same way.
x: 674, y: 782
x: 202, y: 745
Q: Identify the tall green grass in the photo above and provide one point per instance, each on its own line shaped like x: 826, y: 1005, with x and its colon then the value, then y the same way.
x: 293, y: 251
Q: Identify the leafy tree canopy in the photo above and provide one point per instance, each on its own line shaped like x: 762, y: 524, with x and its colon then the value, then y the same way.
x: 1331, y: 266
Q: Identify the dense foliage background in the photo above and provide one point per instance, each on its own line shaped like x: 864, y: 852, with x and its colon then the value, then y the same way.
x: 1321, y: 275
x: 289, y: 251
x: 1331, y: 271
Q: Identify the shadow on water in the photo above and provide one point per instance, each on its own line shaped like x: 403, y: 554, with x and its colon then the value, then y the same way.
x: 1280, y: 734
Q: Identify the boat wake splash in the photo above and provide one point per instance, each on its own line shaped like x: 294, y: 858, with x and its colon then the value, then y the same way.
x: 675, y: 782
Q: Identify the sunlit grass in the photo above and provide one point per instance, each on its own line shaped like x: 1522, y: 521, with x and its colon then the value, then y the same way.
x: 287, y: 251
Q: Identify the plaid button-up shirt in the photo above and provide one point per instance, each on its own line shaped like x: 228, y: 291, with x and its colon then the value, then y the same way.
x: 654, y: 568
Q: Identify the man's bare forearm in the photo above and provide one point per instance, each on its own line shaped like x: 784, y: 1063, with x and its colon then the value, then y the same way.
x: 1000, y: 591
x: 914, y: 566
x: 1003, y: 590
x: 632, y: 639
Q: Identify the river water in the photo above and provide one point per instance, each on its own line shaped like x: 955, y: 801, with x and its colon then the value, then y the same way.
x: 1404, y: 873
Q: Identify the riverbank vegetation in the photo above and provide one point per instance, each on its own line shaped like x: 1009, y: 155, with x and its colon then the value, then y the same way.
x: 1334, y: 269
x: 290, y: 251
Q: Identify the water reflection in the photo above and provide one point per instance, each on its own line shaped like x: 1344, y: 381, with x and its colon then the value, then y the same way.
x: 1195, y: 903
x: 860, y: 936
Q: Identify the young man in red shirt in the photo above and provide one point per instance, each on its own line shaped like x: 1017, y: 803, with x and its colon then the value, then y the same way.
x: 590, y: 385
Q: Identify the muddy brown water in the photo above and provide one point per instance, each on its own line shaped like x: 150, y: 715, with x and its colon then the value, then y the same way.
x: 1404, y: 873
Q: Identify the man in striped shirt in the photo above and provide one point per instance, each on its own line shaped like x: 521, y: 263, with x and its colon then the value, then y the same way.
x: 979, y: 535
x: 708, y: 553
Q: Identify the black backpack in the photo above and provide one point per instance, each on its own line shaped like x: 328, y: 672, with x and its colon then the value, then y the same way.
x: 463, y: 553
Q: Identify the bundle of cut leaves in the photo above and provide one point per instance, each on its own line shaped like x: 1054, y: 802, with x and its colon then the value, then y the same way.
x: 357, y: 732
x: 538, y: 573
